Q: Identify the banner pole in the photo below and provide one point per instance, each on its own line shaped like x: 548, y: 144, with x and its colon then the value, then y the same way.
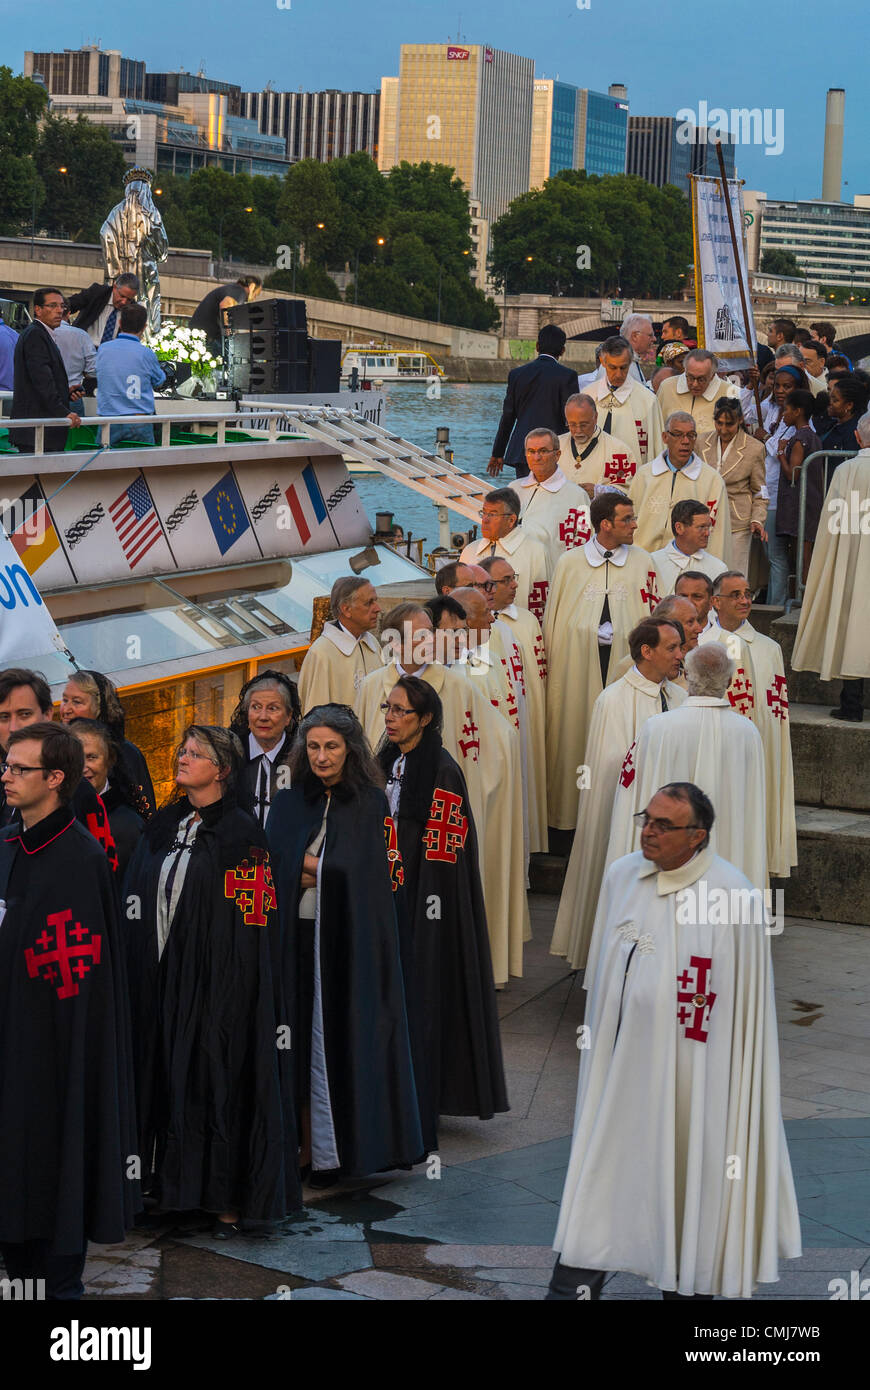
x: 727, y: 197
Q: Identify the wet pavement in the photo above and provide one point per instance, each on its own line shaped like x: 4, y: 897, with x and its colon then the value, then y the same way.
x: 478, y: 1223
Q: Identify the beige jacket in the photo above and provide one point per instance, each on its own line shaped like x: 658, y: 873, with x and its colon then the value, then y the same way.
x: 742, y: 474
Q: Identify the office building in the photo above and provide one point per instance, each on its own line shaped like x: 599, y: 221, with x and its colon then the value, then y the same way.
x: 575, y: 128
x: 468, y: 106
x: 656, y: 154
x: 830, y: 240
x: 317, y: 125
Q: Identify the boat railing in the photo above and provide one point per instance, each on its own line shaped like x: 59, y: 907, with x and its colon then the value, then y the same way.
x: 828, y: 465
x: 267, y: 424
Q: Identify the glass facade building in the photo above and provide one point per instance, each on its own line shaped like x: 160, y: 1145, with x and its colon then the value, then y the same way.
x: 604, y: 127
x: 831, y: 241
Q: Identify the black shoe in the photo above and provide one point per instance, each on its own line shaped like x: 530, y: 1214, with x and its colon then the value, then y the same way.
x: 327, y: 1177
x: 226, y: 1230
x: 847, y: 716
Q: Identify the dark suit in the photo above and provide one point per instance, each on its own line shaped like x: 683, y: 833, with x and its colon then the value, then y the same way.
x: 535, y: 399
x: 41, y: 387
x: 90, y: 304
x: 246, y: 786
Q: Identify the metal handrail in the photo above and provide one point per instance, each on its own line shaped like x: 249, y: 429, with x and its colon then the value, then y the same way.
x: 825, y: 454
x: 164, y: 423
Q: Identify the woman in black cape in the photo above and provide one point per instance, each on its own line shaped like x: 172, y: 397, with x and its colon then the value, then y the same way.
x: 336, y: 870
x: 454, y: 995
x: 125, y: 804
x: 91, y: 695
x: 212, y: 1041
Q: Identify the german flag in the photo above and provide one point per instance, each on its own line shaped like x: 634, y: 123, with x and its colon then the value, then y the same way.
x: 29, y: 526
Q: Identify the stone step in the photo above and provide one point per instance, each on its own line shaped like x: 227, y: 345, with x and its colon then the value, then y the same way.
x: 832, y: 879
x: 804, y: 687
x: 831, y: 759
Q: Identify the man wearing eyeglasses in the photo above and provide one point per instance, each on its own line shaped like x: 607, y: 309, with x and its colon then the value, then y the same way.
x: 526, y: 636
x: 759, y: 691
x: 696, y: 390
x: 66, y: 1112
x: 675, y: 475
x: 501, y: 534
x: 679, y: 1169
x: 554, y: 509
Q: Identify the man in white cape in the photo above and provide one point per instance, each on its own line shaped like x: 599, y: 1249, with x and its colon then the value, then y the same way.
x: 696, y: 390
x: 691, y: 524
x: 501, y: 534
x: 554, y: 509
x: 600, y: 592
x: 337, y: 663
x: 758, y: 689
x: 711, y: 746
x: 619, y: 713
x: 833, y: 634
x: 589, y: 456
x: 625, y: 408
x: 679, y: 1170
x: 528, y: 638
x: 676, y: 474
x: 487, y: 749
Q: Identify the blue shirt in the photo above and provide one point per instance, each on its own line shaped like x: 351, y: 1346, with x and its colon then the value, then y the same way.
x: 127, y: 372
x: 8, y: 340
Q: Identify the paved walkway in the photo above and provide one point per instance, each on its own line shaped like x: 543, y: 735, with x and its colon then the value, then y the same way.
x: 478, y: 1223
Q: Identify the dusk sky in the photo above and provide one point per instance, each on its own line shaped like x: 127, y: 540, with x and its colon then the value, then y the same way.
x: 669, y: 55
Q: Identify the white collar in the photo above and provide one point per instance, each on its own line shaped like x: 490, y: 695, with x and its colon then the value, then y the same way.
x: 402, y: 672
x: 510, y: 612
x: 707, y: 702
x: 510, y: 542
x: 692, y: 469
x: 639, y: 681
x: 682, y: 559
x: 256, y: 749
x: 594, y: 553
x: 745, y: 631
x: 671, y: 880
x: 552, y: 484
x: 345, y: 641
x: 103, y: 790
x: 709, y: 393
x: 601, y: 388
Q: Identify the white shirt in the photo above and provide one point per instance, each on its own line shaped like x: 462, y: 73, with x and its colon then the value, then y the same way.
x: 596, y: 555
x: 78, y: 352
x: 263, y: 785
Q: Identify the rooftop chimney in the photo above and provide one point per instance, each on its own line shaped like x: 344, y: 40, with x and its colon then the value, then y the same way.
x: 832, y: 169
x: 618, y: 90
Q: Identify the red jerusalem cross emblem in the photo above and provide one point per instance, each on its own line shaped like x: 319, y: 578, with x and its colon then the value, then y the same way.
x: 470, y: 744
x: 629, y: 771
x: 517, y: 673
x: 713, y: 507
x: 642, y: 438
x: 98, y: 825
x: 649, y: 595
x: 252, y: 887
x: 394, y: 857
x: 446, y: 828
x: 695, y: 1000
x: 574, y: 530
x: 740, y: 693
x: 541, y: 658
x: 777, y: 698
x: 619, y: 469
x: 538, y: 599
x: 60, y: 964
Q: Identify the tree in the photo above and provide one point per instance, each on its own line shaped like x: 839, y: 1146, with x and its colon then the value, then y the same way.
x: 364, y: 198
x: 309, y: 198
x: 309, y: 279
x: 780, y: 262
x: 78, y: 200
x: 22, y: 103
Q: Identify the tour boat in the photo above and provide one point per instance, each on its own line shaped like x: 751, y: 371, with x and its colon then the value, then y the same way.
x: 380, y: 362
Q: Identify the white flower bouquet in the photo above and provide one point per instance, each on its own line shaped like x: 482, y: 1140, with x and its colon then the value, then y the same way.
x: 178, y: 344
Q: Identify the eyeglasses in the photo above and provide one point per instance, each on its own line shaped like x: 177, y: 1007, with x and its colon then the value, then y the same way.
x: 395, y: 709
x: 18, y: 769
x: 690, y: 434
x: 506, y: 578
x: 495, y: 516
x: 661, y: 827
x: 192, y: 753
x: 487, y: 585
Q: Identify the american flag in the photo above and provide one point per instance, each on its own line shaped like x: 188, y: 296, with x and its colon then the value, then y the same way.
x: 135, y: 521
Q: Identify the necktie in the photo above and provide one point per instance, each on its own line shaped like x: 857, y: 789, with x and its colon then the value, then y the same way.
x: 611, y: 402
x: 109, y: 330
x: 664, y: 701
x: 492, y: 548
x: 261, y: 793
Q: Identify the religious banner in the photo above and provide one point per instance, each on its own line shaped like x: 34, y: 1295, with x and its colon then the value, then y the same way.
x: 720, y: 272
x: 27, y: 628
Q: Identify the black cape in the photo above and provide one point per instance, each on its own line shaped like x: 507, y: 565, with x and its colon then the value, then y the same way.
x: 67, y: 1125
x: 137, y: 770
x: 89, y: 811
x: 454, y: 992
x: 365, y: 1025
x: 214, y: 1079
x: 126, y: 826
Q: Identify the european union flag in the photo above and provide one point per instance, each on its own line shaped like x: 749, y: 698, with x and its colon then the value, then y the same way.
x: 226, y: 512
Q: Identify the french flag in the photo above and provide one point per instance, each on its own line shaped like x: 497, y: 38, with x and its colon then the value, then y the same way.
x: 306, y: 503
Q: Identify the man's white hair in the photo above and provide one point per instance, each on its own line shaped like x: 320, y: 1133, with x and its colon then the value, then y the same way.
x: 790, y: 352
x: 709, y: 670
x: 632, y: 322
x: 700, y: 355
x: 543, y: 430
x: 862, y: 429
x: 681, y: 417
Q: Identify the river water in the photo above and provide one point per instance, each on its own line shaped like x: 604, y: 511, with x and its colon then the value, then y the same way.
x: 471, y: 410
